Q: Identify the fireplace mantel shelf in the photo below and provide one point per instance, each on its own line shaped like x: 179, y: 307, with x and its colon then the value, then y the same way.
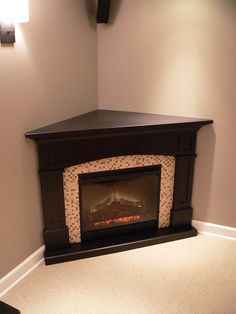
x: 107, y: 121
x: 103, y: 134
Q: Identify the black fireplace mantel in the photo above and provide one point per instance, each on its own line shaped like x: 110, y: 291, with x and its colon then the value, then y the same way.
x: 107, y: 122
x: 104, y: 133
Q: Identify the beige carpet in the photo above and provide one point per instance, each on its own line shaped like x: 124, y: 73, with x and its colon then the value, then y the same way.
x: 196, y: 275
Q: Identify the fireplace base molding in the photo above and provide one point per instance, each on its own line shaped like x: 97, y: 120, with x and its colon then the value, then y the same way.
x: 102, y: 134
x: 117, y: 244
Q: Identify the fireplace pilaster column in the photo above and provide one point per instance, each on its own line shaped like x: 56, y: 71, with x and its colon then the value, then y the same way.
x: 181, y: 213
x: 56, y: 233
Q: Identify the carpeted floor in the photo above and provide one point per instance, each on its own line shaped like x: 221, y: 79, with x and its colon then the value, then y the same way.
x: 196, y: 275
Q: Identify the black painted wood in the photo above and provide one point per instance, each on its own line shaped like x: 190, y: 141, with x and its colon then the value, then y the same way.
x: 8, y: 309
x: 181, y: 217
x: 108, y: 122
x: 56, y: 238
x: 103, y: 10
x: 181, y: 213
x: 183, y: 181
x: 52, y: 197
x: 67, y: 152
x: 117, y: 244
x: 104, y: 133
x: 56, y: 232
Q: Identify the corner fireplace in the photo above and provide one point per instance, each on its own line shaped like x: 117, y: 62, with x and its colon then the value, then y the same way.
x: 69, y: 149
x: 119, y: 201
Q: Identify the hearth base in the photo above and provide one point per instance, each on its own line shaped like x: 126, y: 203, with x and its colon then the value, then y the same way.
x: 117, y: 244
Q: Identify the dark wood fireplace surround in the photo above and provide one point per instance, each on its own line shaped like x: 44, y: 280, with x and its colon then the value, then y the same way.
x: 100, y: 134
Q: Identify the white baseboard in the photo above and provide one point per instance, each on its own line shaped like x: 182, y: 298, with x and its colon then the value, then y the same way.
x: 21, y: 271
x: 215, y: 230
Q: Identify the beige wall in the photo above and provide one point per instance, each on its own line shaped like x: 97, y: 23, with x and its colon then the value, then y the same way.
x: 50, y: 74
x: 178, y: 57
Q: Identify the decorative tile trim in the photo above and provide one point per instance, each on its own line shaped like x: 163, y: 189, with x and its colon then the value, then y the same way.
x: 71, y: 185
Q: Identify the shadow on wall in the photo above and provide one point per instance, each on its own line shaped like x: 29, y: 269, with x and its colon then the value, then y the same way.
x: 114, y: 10
x: 91, y: 9
x: 204, y: 163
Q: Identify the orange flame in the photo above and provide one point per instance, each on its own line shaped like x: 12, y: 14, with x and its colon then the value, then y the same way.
x: 117, y: 220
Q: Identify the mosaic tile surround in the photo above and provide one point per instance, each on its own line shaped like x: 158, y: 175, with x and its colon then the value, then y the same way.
x: 71, y: 186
